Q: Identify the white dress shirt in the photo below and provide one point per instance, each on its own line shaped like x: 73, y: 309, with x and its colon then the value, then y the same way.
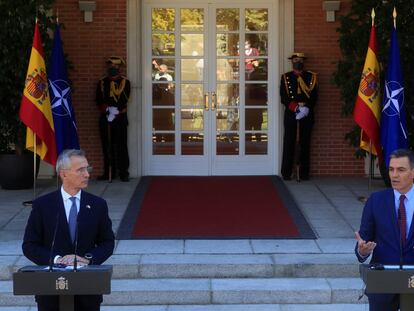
x: 67, y: 203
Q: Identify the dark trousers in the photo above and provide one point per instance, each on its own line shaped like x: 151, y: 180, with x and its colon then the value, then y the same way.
x: 383, y: 302
x: 82, y: 303
x: 289, y: 145
x: 115, y: 145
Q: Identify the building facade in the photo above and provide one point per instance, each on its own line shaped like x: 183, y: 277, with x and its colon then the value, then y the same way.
x: 198, y: 106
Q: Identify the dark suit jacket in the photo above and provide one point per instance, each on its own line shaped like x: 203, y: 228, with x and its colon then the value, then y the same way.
x: 95, y: 233
x: 289, y: 87
x: 379, y: 223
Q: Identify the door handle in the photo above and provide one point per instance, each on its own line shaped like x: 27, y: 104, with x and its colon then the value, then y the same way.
x: 206, y: 101
x: 213, y: 101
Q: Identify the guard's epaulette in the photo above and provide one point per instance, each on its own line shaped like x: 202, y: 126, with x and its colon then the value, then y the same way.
x: 314, y: 73
x: 103, y: 77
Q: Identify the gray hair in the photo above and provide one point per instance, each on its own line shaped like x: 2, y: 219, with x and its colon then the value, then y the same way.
x: 64, y: 161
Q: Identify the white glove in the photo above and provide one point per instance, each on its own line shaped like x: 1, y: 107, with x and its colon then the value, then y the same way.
x: 113, y: 110
x: 303, y: 112
x: 110, y: 117
x: 111, y: 113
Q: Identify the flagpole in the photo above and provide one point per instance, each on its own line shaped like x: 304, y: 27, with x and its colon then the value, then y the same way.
x: 34, y: 149
x: 370, y: 168
x: 363, y: 198
x: 34, y: 166
x: 30, y: 202
x: 394, y: 15
x: 370, y: 141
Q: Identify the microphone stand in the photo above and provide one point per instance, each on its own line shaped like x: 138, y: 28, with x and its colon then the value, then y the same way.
x: 75, y: 260
x: 401, y: 244
x: 53, y: 243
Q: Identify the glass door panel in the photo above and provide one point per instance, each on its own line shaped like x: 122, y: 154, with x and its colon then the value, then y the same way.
x: 227, y: 94
x: 250, y: 107
x: 210, y: 77
x: 192, y: 112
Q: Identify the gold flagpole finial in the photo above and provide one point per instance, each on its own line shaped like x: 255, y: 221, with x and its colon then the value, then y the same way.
x: 372, y: 16
x: 394, y: 15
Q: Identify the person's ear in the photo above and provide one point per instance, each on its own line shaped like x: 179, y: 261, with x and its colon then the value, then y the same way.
x: 412, y: 173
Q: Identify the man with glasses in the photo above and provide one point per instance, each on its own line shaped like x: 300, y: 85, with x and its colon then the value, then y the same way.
x: 68, y: 220
x: 298, y: 93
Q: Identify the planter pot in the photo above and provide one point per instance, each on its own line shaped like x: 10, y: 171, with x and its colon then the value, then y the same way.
x: 16, y: 171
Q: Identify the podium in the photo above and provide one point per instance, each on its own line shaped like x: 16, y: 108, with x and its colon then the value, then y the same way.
x: 390, y: 280
x: 38, y: 280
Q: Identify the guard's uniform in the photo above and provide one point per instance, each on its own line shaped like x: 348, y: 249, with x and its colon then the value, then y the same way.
x: 295, y: 89
x: 114, y: 93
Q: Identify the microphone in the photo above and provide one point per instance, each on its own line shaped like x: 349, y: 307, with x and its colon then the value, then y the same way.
x: 75, y: 260
x: 52, y: 246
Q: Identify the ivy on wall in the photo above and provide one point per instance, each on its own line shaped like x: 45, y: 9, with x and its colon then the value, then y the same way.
x: 17, y: 20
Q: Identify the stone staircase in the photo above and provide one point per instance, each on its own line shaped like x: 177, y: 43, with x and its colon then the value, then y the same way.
x: 222, y: 282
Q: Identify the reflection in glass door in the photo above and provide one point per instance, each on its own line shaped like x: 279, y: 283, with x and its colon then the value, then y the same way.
x: 209, y: 105
x: 242, y: 81
x: 178, y: 76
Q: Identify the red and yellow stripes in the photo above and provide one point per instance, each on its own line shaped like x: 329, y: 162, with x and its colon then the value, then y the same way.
x: 367, y: 110
x: 35, y: 108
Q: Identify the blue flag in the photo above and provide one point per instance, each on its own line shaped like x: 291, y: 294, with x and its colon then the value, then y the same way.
x: 66, y: 132
x: 393, y: 121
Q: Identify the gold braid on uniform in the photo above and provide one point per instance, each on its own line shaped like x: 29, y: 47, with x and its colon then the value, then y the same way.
x: 116, y: 90
x: 302, y: 86
x: 286, y: 84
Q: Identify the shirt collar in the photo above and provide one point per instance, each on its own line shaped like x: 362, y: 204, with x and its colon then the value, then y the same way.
x: 67, y: 196
x: 409, y: 195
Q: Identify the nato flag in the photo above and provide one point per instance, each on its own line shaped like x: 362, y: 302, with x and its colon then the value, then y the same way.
x: 60, y: 96
x: 393, y: 120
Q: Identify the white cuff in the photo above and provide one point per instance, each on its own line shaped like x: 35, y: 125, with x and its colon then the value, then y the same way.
x: 56, y: 258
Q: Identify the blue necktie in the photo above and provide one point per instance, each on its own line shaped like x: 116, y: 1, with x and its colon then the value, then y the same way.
x: 73, y: 215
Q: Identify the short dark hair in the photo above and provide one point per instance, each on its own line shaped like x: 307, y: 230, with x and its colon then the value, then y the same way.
x: 402, y: 153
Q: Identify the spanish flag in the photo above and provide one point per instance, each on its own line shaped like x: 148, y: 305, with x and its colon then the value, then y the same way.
x: 35, y: 108
x: 367, y: 110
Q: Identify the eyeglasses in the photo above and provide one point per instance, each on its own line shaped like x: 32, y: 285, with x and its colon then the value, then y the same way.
x: 85, y: 169
x: 81, y: 170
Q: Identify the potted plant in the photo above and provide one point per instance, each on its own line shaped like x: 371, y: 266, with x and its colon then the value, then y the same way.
x: 17, y: 20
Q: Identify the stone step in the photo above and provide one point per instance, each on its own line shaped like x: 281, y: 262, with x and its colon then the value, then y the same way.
x: 216, y: 266
x: 241, y: 307
x: 219, y: 291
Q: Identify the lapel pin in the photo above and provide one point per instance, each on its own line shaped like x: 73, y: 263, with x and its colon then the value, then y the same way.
x: 88, y: 206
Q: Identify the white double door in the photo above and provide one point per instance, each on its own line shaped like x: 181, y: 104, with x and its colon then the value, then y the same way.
x: 209, y: 88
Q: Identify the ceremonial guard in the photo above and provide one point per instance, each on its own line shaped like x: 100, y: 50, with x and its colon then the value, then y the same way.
x: 298, y: 92
x: 112, y: 94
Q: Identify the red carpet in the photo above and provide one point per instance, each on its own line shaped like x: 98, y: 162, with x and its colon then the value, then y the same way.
x: 213, y: 207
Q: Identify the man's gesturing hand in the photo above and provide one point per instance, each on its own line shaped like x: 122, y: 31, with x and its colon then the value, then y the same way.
x: 364, y: 248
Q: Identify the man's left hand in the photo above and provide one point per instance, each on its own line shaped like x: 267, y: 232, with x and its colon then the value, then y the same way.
x: 70, y: 259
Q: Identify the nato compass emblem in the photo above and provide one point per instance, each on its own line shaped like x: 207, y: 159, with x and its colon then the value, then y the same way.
x: 394, y: 94
x: 60, y: 97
